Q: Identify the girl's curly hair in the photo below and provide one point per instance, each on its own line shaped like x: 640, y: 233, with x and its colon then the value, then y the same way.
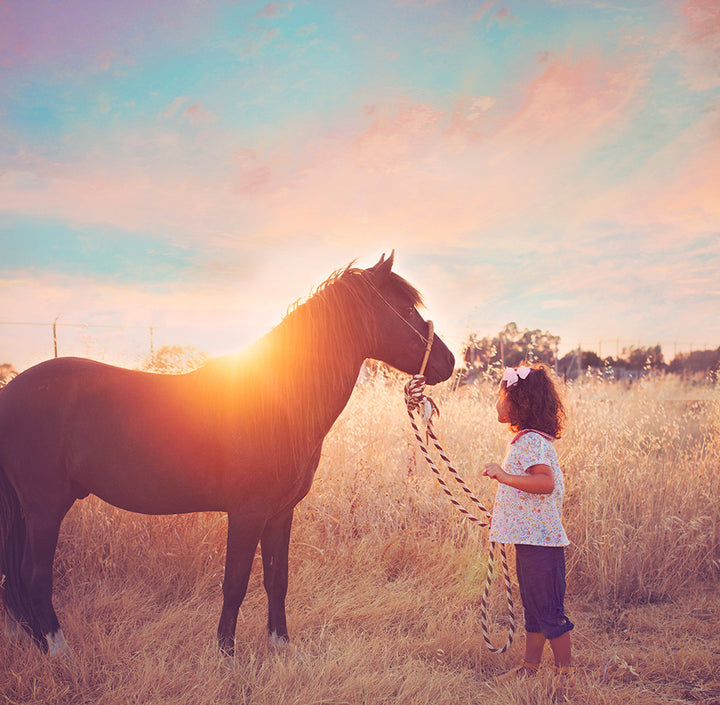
x: 535, y: 403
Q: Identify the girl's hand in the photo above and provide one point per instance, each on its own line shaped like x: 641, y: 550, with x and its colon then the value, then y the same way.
x: 537, y: 480
x: 494, y: 471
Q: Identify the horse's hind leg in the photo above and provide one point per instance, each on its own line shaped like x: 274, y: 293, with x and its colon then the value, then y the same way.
x: 42, y: 529
x: 275, y: 543
x: 14, y: 633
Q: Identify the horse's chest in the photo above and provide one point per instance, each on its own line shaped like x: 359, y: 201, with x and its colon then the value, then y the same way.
x: 289, y: 482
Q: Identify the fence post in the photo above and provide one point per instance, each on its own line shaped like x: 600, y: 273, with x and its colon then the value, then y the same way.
x: 55, y: 347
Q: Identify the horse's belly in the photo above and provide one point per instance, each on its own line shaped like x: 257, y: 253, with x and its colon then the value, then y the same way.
x: 156, y: 474
x: 163, y: 484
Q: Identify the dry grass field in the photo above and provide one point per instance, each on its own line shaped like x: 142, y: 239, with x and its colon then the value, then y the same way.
x: 386, y: 577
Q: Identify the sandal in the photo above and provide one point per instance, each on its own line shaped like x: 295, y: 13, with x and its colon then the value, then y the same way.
x: 524, y: 670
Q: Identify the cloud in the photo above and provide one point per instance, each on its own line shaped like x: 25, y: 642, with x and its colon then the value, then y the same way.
x: 504, y: 16
x: 58, y: 37
x: 275, y: 9
x: 414, y: 169
x: 483, y: 10
x: 573, y: 100
x: 194, y: 114
x: 527, y: 183
x: 671, y: 197
x: 699, y: 41
x: 396, y: 136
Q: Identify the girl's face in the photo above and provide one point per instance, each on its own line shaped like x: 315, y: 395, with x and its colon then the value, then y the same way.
x: 503, y: 409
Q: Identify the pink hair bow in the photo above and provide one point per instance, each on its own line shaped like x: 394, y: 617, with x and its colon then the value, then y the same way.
x: 511, y: 375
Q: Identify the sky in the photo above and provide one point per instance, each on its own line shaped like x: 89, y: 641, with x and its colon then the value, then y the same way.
x: 195, y: 167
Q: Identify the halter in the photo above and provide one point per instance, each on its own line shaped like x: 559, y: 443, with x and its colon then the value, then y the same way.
x: 428, y: 347
x: 427, y: 340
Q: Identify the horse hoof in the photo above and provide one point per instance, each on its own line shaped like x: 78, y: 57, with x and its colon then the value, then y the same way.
x: 228, y: 663
x: 14, y: 633
x: 57, y: 646
x: 278, y: 643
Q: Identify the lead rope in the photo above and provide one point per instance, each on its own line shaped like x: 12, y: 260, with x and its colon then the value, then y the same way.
x: 416, y: 401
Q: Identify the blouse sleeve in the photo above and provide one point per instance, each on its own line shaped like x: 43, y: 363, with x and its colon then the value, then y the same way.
x: 535, y: 451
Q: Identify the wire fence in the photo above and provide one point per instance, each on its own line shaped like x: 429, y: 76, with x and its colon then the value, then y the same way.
x: 615, y: 347
x: 32, y: 342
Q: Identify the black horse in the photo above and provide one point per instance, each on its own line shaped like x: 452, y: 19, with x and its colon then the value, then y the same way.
x: 242, y: 435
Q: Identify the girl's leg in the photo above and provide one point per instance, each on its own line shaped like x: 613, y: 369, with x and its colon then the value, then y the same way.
x: 562, y: 649
x: 530, y: 665
x: 534, y: 644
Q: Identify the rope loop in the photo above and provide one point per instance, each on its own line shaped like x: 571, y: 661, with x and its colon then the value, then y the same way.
x: 417, y: 402
x: 415, y: 399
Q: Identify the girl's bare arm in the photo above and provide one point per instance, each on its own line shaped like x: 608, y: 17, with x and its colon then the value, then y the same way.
x: 538, y: 480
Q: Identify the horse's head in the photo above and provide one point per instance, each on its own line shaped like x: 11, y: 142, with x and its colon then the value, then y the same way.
x: 403, y: 333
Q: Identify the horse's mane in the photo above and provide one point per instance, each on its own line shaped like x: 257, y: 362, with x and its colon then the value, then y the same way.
x: 336, y: 318
x: 298, y: 372
x: 359, y: 279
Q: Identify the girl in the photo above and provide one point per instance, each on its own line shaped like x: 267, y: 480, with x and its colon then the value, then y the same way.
x: 528, y: 510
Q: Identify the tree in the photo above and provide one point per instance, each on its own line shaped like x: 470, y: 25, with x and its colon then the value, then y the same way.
x: 696, y: 362
x: 479, y: 353
x: 642, y: 358
x: 7, y: 372
x: 175, y: 359
x: 509, y: 347
x: 568, y: 365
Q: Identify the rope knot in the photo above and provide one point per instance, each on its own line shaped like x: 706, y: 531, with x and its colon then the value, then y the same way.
x: 416, y: 400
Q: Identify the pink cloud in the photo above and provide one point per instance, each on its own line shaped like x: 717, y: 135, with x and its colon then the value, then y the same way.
x: 252, y: 174
x: 571, y: 100
x: 469, y: 118
x: 404, y: 170
x: 483, y: 10
x: 271, y: 9
x: 699, y: 41
x: 703, y: 21
x: 274, y: 9
x: 396, y: 136
x: 674, y: 196
x: 75, y: 34
x: 408, y: 168
x: 504, y: 16
x: 196, y: 114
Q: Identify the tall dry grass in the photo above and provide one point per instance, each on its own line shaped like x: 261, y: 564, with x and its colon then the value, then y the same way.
x: 386, y: 576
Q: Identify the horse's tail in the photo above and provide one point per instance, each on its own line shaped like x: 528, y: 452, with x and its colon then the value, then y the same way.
x: 12, y: 541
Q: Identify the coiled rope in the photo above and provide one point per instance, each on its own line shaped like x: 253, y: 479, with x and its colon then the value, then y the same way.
x: 416, y: 401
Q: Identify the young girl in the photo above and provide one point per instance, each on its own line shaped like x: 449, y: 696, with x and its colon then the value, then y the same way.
x: 528, y: 510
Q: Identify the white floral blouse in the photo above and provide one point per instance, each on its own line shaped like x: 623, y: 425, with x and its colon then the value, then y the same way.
x: 522, y: 517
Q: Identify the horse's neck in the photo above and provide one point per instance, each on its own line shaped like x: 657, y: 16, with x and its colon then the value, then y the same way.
x: 287, y: 380
x: 324, y: 386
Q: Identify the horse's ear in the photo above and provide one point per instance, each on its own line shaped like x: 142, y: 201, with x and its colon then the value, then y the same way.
x: 384, y: 266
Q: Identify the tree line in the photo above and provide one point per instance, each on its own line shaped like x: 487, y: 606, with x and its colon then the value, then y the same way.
x: 482, y: 356
x: 511, y: 346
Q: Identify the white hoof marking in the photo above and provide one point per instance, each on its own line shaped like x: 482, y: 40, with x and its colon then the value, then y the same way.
x: 57, y: 646
x: 277, y: 643
x: 14, y: 633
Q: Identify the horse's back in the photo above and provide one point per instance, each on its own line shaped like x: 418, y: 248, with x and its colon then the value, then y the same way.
x: 59, y: 376
x: 150, y: 443
x: 73, y: 426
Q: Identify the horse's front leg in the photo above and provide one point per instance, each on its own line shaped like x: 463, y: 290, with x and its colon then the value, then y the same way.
x: 244, y: 532
x: 275, y: 543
